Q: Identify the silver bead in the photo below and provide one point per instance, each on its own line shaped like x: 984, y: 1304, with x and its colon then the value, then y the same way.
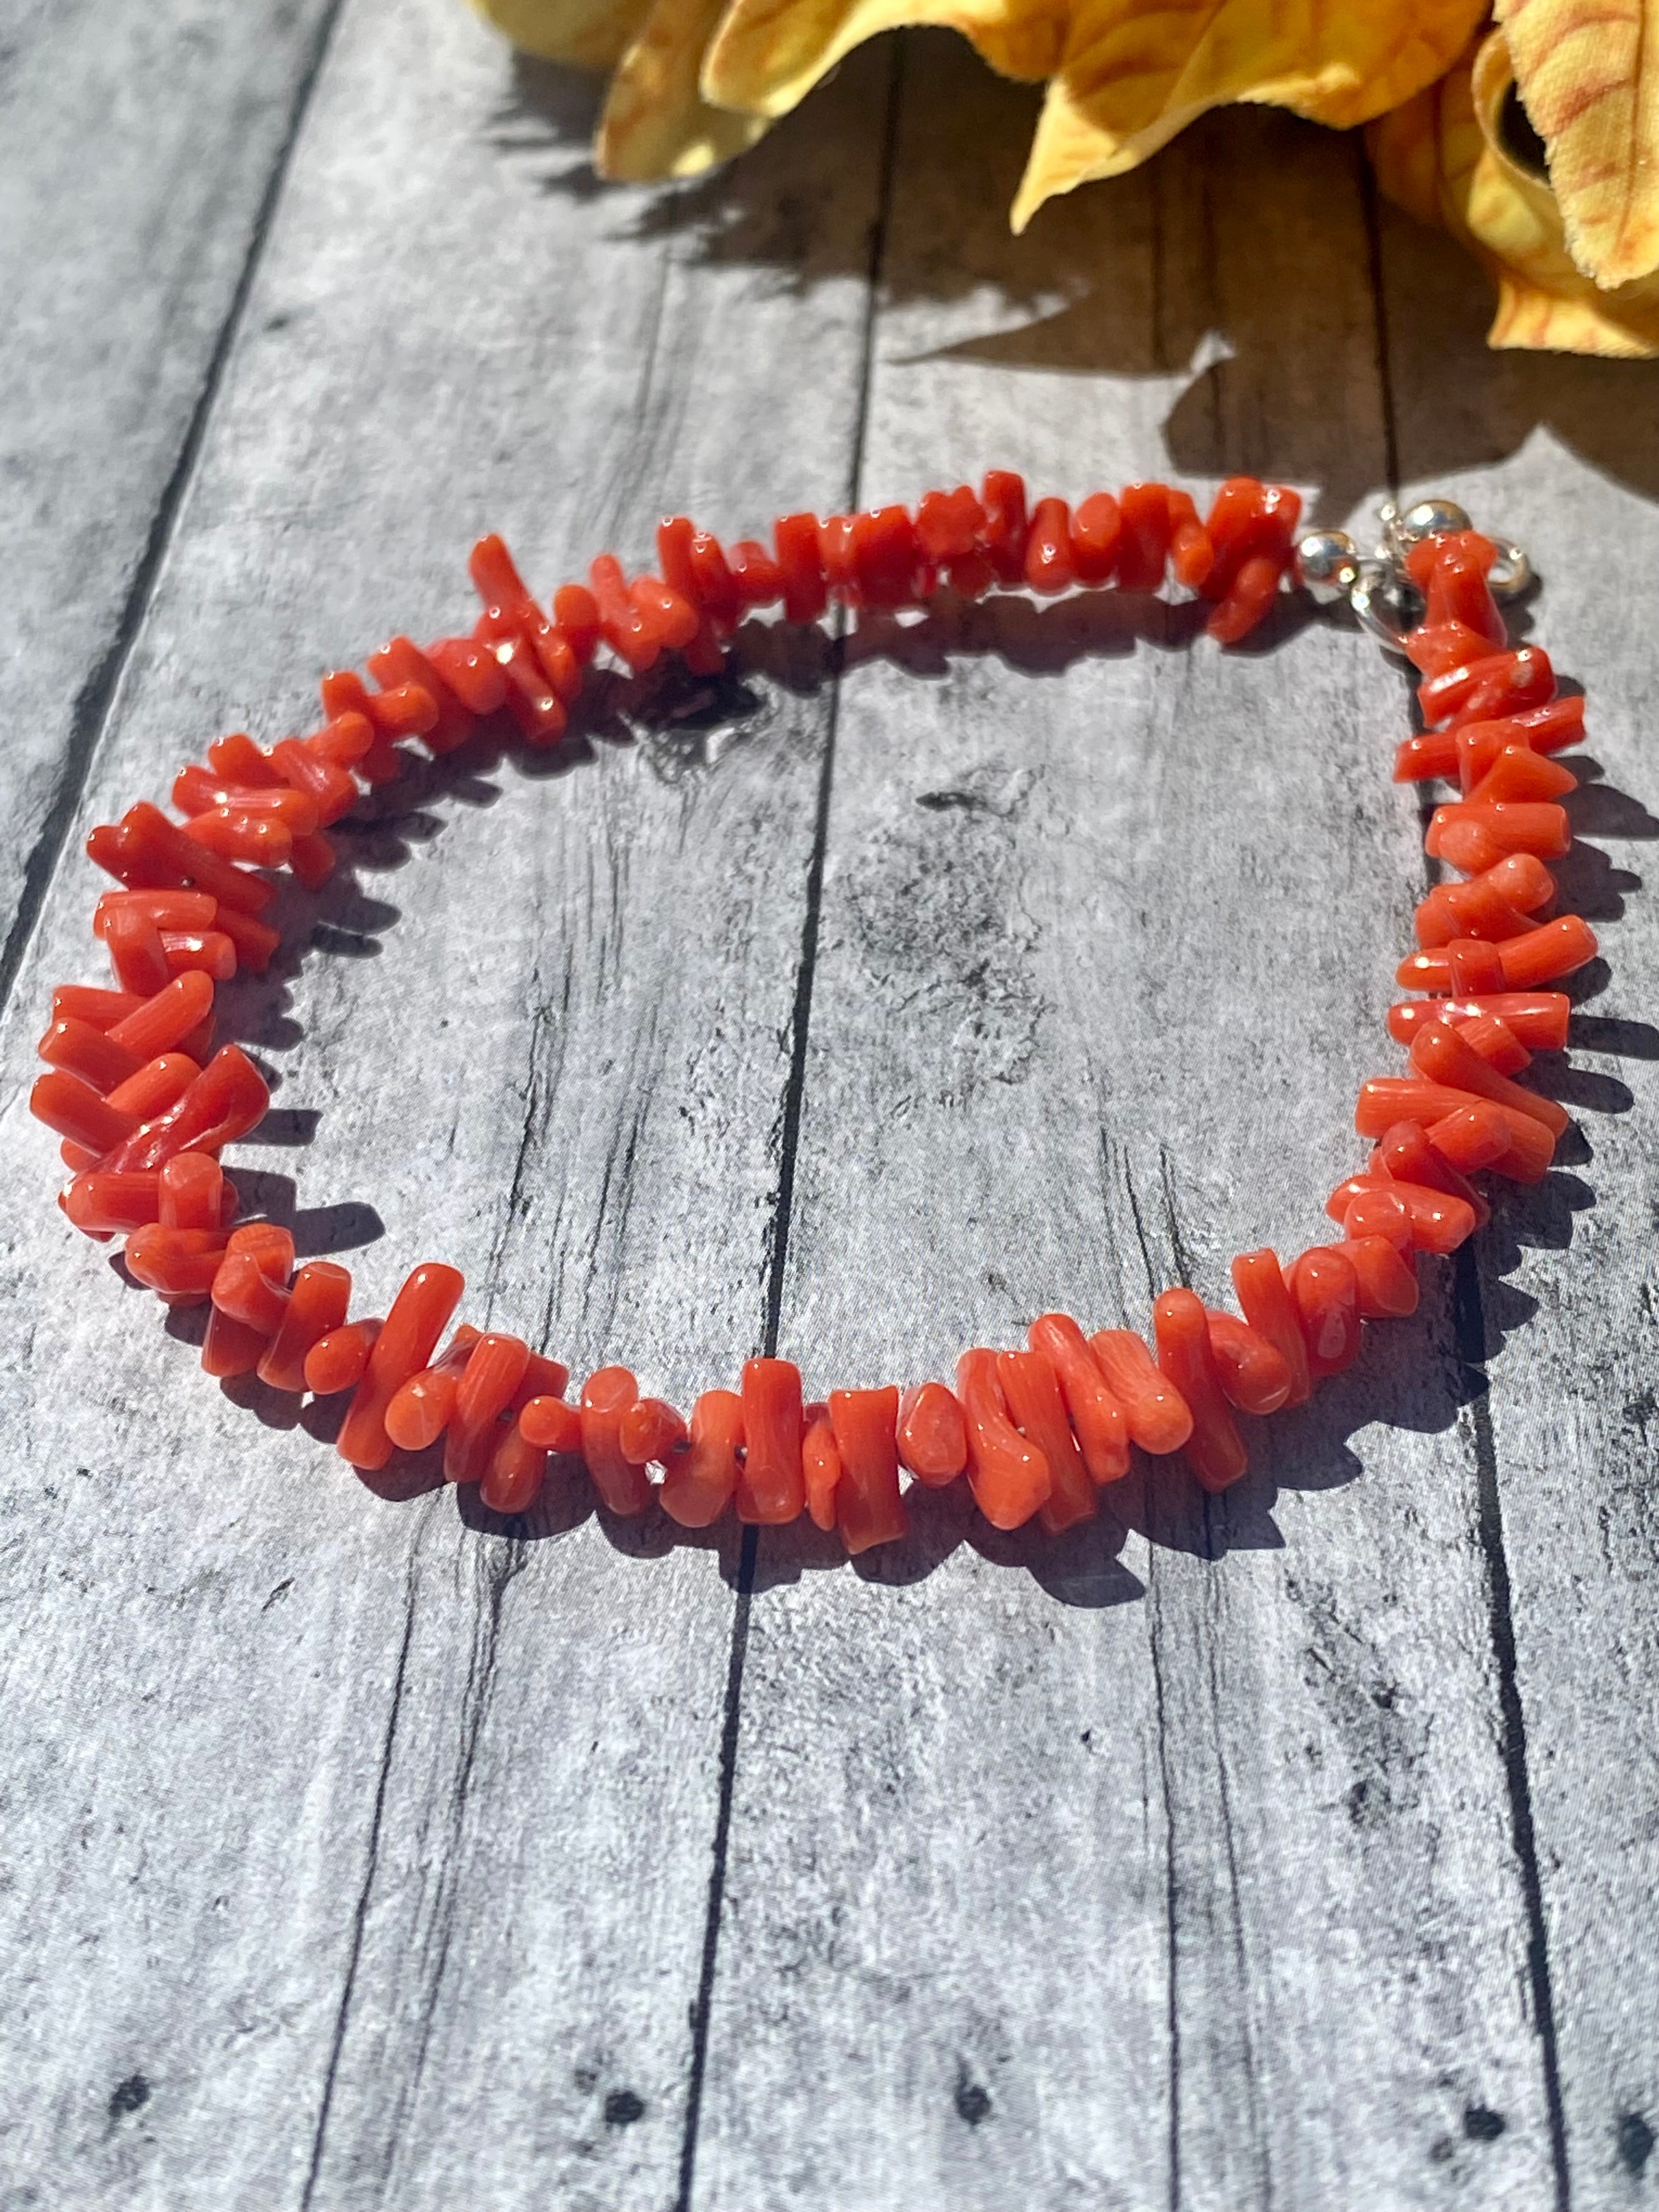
x: 1429, y: 518
x: 1387, y: 603
x: 1328, y: 564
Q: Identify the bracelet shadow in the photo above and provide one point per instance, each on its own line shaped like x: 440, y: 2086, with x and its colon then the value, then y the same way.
x: 1411, y: 1377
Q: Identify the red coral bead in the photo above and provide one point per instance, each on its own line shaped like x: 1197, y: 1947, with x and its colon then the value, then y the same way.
x: 1096, y: 530
x: 700, y: 1483
x: 868, y: 1508
x: 607, y: 1393
x: 1266, y: 1303
x: 419, y: 1314
x: 317, y: 1305
x: 932, y: 1436
x: 1008, y: 1476
x: 1049, y: 567
x: 1158, y: 1418
x: 1215, y: 1451
x: 772, y: 1486
x: 1326, y: 1288
x: 1103, y: 1433
x: 1031, y: 1391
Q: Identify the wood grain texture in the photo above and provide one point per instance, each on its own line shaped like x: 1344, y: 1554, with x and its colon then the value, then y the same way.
x: 359, y: 1854
x: 140, y: 146
x: 1568, y: 460
x: 1169, y: 1863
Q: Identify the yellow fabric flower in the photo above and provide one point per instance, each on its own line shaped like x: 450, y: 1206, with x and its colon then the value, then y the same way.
x: 1443, y: 156
x: 1573, y: 243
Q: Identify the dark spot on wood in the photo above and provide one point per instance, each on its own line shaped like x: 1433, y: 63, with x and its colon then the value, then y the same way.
x: 941, y: 802
x: 127, y: 2096
x: 1482, y: 2124
x: 622, y: 2108
x: 1634, y: 2140
x: 1442, y: 2149
x: 972, y: 2102
x: 281, y: 1591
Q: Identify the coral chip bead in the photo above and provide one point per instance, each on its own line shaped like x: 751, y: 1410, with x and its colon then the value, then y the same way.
x: 1442, y: 1055
x: 105, y: 1205
x: 800, y: 564
x: 178, y: 1262
x: 820, y: 1460
x: 950, y: 524
x: 1255, y: 1375
x: 1440, y: 1222
x: 317, y: 1305
x: 624, y: 1487
x: 339, y: 1360
x: 1215, y: 1451
x: 1265, y: 1301
x: 1031, y: 1392
x: 1379, y: 1213
x: 419, y: 1314
x: 1049, y: 566
x: 885, y: 554
x: 224, y: 1102
x: 651, y: 1432
x: 771, y: 1487
x: 1096, y: 528
x: 1406, y: 1154
x: 494, y: 1370
x: 1159, y: 1418
x: 1143, y: 549
x: 1008, y: 1476
x: 1003, y: 498
x: 932, y: 1436
x: 511, y: 1482
x: 1498, y: 684
x: 576, y: 611
x: 868, y: 1508
x: 1250, y: 596
x: 1103, y: 1433
x: 1387, y: 1283
x: 699, y: 1483
x: 1326, y: 1288
x: 552, y: 1425
x: 757, y: 575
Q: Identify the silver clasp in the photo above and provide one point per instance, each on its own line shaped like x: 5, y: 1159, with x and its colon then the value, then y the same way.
x: 1380, y: 590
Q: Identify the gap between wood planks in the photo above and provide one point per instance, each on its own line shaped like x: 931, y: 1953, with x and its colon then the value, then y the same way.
x: 777, y: 1257
x: 93, y: 703
x: 1469, y: 1323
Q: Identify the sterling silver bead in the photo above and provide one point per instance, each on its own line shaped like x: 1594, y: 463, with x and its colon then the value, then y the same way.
x: 1326, y: 564
x: 1429, y: 518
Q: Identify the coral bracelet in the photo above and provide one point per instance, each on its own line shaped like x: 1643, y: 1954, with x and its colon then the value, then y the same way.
x: 143, y: 1111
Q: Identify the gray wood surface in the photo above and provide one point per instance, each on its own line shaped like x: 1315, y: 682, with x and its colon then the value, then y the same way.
x: 1289, y: 1851
x: 1564, y: 1305
x: 143, y: 147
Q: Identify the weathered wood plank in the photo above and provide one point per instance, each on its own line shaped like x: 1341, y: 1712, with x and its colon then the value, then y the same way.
x: 1565, y: 455
x: 364, y: 1854
x: 138, y: 146
x: 1169, y: 1863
